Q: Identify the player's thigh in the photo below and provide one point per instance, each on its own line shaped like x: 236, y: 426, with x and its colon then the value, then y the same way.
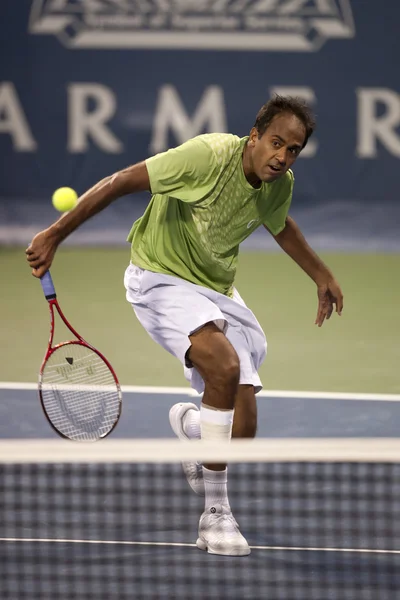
x: 171, y: 313
x: 213, y: 355
x: 246, y: 349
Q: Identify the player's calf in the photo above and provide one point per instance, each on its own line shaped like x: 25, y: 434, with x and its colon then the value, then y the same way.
x: 245, y: 418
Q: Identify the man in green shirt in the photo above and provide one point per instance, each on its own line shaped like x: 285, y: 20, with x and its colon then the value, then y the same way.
x: 208, y: 195
x: 210, y: 209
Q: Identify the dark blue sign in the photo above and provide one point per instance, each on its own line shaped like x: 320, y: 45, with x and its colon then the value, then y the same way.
x: 90, y: 86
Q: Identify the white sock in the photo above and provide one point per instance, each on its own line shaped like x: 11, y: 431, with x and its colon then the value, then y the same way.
x: 191, y: 424
x: 215, y: 485
x: 215, y: 425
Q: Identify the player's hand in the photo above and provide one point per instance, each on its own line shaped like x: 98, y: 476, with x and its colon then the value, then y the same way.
x: 40, y: 253
x: 329, y: 294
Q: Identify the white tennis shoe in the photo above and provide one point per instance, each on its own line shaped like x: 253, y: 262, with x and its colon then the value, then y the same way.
x: 192, y: 470
x: 219, y: 533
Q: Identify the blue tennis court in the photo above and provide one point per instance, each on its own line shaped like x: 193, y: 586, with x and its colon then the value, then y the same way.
x: 280, y: 414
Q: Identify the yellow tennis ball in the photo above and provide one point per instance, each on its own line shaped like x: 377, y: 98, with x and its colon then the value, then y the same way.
x: 64, y: 199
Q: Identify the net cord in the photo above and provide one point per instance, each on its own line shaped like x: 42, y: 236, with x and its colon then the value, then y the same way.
x: 174, y: 451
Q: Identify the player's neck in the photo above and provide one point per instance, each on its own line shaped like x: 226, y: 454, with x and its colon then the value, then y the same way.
x: 248, y: 171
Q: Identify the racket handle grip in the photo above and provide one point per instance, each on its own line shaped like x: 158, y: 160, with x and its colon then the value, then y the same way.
x: 48, y: 286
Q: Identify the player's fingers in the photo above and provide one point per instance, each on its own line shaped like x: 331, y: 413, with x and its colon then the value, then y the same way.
x: 39, y: 271
x: 329, y: 311
x: 339, y: 304
x: 325, y: 310
x: 35, y: 263
x: 320, y: 315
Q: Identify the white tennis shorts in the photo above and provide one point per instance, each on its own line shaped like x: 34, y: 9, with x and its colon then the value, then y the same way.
x: 171, y: 309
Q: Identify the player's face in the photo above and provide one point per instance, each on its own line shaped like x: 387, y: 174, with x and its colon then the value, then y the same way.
x: 275, y: 152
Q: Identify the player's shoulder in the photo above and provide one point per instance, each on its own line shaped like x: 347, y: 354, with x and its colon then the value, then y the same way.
x: 287, y: 180
x: 289, y: 176
x: 220, y: 143
x: 217, y: 139
x: 282, y: 187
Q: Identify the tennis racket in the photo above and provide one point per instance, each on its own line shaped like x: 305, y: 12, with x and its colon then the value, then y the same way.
x: 78, y: 389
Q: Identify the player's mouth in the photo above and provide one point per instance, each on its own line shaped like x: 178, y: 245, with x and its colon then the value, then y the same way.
x: 274, y: 169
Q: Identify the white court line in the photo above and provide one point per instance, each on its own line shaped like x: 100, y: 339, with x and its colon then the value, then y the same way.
x: 103, y: 542
x: 184, y: 545
x: 186, y: 391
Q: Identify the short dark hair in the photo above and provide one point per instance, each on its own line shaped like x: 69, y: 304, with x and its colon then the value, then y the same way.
x: 285, y: 104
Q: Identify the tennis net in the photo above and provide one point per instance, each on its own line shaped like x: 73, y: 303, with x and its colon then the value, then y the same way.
x: 117, y: 520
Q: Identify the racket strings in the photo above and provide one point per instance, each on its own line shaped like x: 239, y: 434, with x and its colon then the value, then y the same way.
x: 79, y: 393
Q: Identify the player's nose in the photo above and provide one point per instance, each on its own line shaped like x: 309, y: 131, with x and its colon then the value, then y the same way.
x: 281, y: 158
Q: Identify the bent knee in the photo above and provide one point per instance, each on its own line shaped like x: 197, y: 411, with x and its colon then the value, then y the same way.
x: 222, y: 369
x: 229, y: 369
x: 215, y: 358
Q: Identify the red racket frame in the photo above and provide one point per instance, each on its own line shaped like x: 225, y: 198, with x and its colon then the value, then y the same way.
x: 53, y: 304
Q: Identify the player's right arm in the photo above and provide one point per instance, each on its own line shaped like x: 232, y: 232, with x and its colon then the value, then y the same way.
x: 41, y: 251
x: 186, y: 172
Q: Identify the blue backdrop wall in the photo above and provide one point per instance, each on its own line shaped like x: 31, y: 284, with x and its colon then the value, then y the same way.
x: 89, y: 86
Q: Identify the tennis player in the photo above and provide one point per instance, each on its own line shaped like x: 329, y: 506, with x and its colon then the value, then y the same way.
x: 208, y: 195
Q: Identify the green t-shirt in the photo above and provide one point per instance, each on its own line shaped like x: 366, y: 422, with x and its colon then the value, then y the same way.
x: 202, y: 208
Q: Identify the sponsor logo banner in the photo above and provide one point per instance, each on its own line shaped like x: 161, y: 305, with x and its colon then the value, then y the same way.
x: 265, y: 25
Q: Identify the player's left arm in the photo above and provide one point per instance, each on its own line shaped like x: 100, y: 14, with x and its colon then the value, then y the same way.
x: 293, y: 242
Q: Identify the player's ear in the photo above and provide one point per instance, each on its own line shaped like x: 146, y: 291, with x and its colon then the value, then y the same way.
x: 253, y: 137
